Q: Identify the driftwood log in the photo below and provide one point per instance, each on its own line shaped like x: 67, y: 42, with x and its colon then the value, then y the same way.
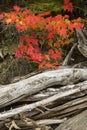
x: 14, y: 92
x: 44, y: 99
x: 62, y: 93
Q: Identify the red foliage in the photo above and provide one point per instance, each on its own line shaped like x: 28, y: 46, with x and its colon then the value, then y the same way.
x: 16, y: 8
x: 30, y: 51
x: 54, y: 54
x: 50, y: 36
x: 54, y: 32
x: 68, y: 6
x: 1, y: 16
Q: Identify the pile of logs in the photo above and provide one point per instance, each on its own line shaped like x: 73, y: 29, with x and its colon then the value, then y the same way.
x: 43, y: 101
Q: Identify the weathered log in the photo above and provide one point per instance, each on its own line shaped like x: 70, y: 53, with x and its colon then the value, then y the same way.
x: 82, y: 40
x: 64, y: 92
x: 66, y: 109
x: 45, y: 121
x: 78, y: 122
x: 14, y: 92
x: 47, y: 93
x: 51, y: 110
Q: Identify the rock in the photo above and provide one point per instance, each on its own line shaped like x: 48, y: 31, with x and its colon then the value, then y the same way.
x: 78, y: 122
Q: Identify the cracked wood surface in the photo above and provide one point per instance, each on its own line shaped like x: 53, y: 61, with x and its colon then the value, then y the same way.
x: 12, y: 93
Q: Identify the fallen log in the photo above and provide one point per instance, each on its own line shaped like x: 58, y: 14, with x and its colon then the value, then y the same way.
x: 47, y: 93
x: 64, y: 110
x: 14, y: 92
x: 60, y: 108
x: 63, y: 93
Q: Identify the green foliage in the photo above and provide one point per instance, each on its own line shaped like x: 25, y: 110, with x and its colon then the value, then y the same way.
x: 37, y: 6
x: 46, y: 5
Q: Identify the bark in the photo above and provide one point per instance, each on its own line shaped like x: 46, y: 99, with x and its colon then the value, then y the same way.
x: 14, y: 92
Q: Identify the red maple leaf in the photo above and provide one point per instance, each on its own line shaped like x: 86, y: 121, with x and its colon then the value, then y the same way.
x: 63, y: 32
x: 16, y: 8
x: 50, y: 35
x: 68, y: 6
x: 1, y: 16
x: 37, y: 57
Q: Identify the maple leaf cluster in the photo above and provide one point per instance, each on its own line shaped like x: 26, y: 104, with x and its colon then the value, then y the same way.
x: 68, y: 6
x: 46, y: 35
x: 25, y: 20
x: 30, y: 50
